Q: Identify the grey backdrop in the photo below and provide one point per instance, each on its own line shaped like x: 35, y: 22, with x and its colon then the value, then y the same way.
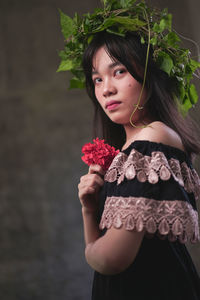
x: 42, y: 129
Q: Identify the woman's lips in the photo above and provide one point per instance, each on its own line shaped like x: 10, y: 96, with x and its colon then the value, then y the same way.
x: 111, y: 105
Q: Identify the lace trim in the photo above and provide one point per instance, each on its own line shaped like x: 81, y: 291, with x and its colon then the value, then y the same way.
x: 151, y: 169
x: 172, y: 219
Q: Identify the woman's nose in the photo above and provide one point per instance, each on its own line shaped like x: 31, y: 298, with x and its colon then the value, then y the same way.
x: 109, y: 88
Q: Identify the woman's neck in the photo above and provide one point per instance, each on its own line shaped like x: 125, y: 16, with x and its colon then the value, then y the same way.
x: 133, y: 131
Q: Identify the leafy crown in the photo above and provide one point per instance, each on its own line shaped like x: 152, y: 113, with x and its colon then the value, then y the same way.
x: 118, y: 17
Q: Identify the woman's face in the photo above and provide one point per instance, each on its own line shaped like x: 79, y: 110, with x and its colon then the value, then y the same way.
x: 115, y: 88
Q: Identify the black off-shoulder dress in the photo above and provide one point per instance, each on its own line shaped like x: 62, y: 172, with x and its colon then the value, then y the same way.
x: 153, y: 186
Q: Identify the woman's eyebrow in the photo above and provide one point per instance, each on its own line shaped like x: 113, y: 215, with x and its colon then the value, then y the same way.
x: 95, y: 72
x: 110, y: 66
x: 114, y: 64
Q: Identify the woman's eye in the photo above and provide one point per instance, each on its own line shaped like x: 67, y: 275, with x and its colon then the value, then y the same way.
x: 119, y: 72
x: 96, y: 80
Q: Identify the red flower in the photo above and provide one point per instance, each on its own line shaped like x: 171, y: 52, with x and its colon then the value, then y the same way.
x: 98, y: 153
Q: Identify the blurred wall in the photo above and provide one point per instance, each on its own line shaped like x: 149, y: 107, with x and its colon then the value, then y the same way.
x: 42, y: 129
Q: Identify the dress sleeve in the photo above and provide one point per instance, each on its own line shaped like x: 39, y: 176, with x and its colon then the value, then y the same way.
x: 153, y: 187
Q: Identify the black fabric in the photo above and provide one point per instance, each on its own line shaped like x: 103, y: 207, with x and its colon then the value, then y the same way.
x: 162, y: 270
x: 163, y: 190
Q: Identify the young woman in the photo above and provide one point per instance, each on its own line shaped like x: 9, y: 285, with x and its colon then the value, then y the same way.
x: 138, y: 215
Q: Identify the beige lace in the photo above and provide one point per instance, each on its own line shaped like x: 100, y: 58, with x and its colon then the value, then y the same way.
x: 151, y: 169
x: 175, y: 219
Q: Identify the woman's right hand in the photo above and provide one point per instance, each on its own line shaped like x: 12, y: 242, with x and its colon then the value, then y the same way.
x: 89, y: 187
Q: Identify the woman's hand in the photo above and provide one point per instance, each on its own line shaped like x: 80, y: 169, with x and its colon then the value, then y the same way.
x: 89, y: 187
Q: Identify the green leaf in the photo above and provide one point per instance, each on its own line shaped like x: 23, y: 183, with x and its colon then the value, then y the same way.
x: 90, y: 38
x: 127, y: 3
x: 165, y: 62
x: 162, y: 25
x: 188, y: 71
x: 165, y: 12
x: 172, y: 39
x: 110, y: 4
x: 182, y: 91
x: 63, y: 55
x: 75, y: 83
x: 128, y: 24
x: 193, y: 94
x: 156, y: 28
x: 67, y: 25
x: 186, y: 105
x: 194, y: 64
x: 153, y: 41
x: 115, y: 32
x: 104, y: 2
x: 65, y: 65
x: 165, y: 23
x: 142, y: 40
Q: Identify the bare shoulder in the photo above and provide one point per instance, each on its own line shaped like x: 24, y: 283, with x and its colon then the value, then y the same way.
x: 160, y: 133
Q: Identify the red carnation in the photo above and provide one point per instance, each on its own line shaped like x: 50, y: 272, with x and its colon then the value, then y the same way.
x: 99, y: 153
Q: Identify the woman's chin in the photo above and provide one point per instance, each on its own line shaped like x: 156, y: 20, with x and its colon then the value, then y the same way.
x: 118, y: 121
x: 122, y: 121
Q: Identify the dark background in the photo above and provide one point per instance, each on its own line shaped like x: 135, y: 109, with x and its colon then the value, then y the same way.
x: 42, y: 129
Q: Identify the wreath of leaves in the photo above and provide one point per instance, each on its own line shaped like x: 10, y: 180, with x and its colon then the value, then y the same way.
x: 118, y: 17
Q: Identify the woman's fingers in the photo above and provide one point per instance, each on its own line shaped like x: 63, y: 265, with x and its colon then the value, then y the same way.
x: 91, y: 180
x: 96, y: 169
x: 89, y: 186
x: 87, y: 190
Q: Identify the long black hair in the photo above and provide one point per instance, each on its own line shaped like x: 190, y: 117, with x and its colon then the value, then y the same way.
x: 162, y: 104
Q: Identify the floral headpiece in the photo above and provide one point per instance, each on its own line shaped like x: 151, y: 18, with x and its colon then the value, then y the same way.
x: 119, y: 17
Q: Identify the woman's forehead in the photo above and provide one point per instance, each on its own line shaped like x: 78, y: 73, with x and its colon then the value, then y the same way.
x: 103, y: 58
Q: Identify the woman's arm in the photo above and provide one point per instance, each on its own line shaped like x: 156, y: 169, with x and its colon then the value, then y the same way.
x: 117, y: 249
x: 90, y: 225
